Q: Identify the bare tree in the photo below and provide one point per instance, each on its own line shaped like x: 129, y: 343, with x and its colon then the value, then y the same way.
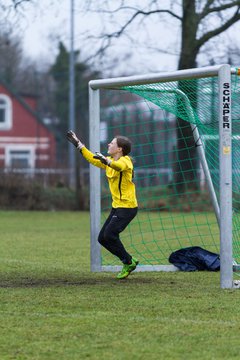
x: 13, y: 9
x: 11, y: 56
x: 12, y: 13
x: 199, y: 21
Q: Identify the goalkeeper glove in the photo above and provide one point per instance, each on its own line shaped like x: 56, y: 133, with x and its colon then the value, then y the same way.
x: 102, y: 158
x: 72, y: 137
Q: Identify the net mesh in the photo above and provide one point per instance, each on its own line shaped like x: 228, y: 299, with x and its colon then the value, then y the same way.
x: 175, y: 209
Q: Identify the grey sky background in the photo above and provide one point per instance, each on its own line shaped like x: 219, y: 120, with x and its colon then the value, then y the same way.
x: 44, y: 24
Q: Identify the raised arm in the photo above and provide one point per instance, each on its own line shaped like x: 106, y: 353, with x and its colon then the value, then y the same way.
x: 87, y: 154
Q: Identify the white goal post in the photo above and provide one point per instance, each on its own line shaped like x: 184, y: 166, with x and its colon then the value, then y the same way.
x: 225, y: 155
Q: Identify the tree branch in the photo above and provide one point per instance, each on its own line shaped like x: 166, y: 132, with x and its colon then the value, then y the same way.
x: 220, y: 29
x: 208, y: 10
x: 118, y: 33
x: 17, y: 3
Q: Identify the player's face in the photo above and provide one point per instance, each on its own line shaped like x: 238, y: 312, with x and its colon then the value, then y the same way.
x: 113, y: 148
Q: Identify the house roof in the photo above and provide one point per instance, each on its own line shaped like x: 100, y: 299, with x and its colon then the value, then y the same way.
x: 21, y: 100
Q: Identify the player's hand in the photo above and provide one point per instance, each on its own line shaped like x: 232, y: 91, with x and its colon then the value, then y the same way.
x: 102, y: 158
x: 72, y: 137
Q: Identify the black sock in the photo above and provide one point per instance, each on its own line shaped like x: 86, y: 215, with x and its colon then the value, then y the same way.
x: 127, y: 261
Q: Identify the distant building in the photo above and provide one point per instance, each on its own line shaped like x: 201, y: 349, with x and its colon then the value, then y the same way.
x: 25, y: 142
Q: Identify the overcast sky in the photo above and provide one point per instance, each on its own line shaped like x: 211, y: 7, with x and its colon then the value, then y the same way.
x: 44, y: 24
x: 48, y: 22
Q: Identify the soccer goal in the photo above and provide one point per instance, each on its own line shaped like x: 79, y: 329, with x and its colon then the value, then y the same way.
x: 185, y: 127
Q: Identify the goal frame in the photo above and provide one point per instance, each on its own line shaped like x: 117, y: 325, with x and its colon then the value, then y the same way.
x: 223, y: 213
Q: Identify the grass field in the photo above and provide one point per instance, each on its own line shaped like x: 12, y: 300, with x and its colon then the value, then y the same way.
x: 52, y: 307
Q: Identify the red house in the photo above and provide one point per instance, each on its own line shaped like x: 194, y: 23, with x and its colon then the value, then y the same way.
x: 25, y: 142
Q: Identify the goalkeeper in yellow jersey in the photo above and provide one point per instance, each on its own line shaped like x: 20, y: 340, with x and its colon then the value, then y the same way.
x: 119, y: 171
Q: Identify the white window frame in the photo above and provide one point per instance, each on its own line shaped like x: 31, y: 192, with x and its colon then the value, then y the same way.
x: 7, y: 124
x: 30, y: 148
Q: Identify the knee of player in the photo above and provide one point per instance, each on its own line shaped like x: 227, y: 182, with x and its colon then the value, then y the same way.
x: 101, y: 238
x: 110, y: 234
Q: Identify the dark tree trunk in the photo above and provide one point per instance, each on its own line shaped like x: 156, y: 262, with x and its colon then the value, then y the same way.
x: 186, y: 175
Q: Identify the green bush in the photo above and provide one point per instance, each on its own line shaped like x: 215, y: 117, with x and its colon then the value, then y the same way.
x: 23, y: 193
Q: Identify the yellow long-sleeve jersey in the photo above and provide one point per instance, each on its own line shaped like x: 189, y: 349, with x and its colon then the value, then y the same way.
x: 119, y: 175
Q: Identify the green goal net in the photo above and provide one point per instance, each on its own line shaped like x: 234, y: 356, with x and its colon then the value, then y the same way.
x: 168, y: 123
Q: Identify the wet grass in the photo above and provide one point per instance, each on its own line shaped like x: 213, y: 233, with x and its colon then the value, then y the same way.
x: 53, y: 307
